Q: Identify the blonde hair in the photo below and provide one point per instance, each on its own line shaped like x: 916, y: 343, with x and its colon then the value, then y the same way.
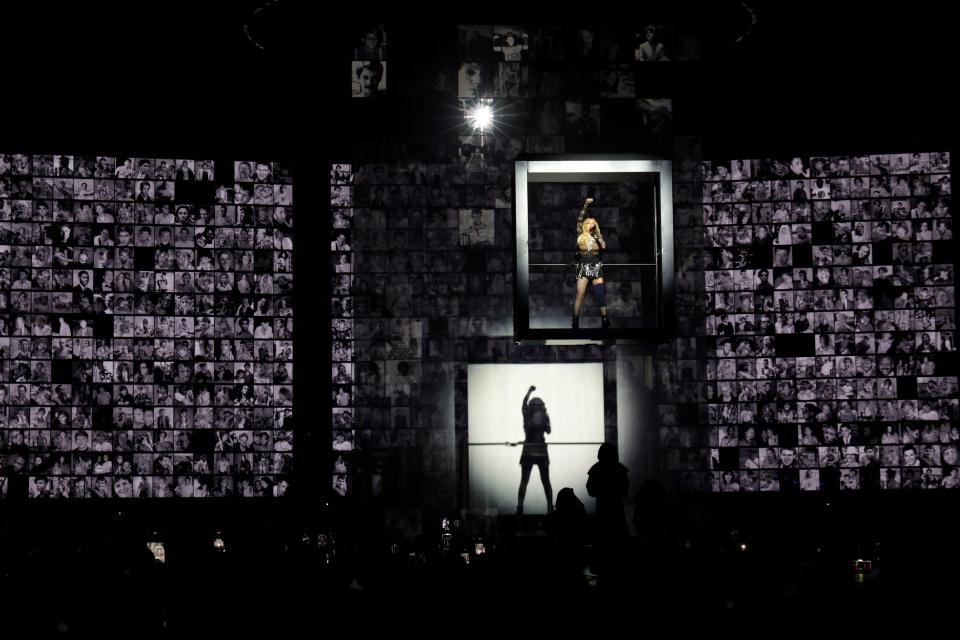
x: 584, y: 235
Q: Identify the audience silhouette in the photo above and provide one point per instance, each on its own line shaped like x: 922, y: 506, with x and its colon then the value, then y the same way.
x: 566, y: 528
x: 608, y: 483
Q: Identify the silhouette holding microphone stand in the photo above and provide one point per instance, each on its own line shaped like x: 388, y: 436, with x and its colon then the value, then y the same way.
x: 536, y: 423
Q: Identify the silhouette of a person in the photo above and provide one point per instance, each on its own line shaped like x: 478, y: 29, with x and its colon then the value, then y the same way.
x: 536, y: 423
x: 566, y: 527
x: 568, y: 523
x: 607, y: 482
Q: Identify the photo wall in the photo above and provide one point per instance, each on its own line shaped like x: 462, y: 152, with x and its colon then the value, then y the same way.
x: 146, y: 327
x: 829, y: 294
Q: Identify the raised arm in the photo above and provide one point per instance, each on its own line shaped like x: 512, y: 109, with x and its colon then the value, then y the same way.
x: 527, y: 397
x: 583, y: 214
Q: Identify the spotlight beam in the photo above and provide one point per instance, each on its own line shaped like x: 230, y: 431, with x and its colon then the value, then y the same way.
x: 481, y: 117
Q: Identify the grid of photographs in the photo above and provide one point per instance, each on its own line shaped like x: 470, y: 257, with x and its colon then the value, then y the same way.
x: 341, y: 206
x: 369, y: 66
x: 830, y: 316
x: 146, y: 327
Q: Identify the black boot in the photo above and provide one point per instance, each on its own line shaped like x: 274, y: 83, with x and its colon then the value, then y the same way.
x: 576, y: 322
x: 604, y: 322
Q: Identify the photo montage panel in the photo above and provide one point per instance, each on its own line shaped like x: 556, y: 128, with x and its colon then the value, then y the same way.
x: 831, y: 347
x: 146, y: 327
x: 342, y: 355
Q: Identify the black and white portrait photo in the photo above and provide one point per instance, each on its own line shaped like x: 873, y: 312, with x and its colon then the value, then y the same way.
x: 369, y: 78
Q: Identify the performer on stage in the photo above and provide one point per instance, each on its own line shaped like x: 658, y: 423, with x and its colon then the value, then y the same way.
x: 589, y: 264
x: 536, y: 422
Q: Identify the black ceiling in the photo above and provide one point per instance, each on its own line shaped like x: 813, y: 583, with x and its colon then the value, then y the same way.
x: 823, y: 74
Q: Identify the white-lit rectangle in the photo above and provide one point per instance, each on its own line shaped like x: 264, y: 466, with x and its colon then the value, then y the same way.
x: 572, y: 398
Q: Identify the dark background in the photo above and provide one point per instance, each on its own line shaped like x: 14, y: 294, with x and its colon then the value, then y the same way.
x: 181, y: 78
x: 185, y: 73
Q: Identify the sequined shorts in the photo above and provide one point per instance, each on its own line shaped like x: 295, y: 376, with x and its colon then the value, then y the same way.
x: 591, y: 270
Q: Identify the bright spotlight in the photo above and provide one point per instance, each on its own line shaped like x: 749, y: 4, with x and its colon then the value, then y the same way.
x: 481, y: 116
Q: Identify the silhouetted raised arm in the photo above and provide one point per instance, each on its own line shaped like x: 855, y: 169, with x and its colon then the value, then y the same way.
x: 527, y: 398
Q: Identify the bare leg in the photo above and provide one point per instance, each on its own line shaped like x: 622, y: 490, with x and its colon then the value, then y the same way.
x: 525, y: 470
x: 581, y: 292
x: 547, y: 489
